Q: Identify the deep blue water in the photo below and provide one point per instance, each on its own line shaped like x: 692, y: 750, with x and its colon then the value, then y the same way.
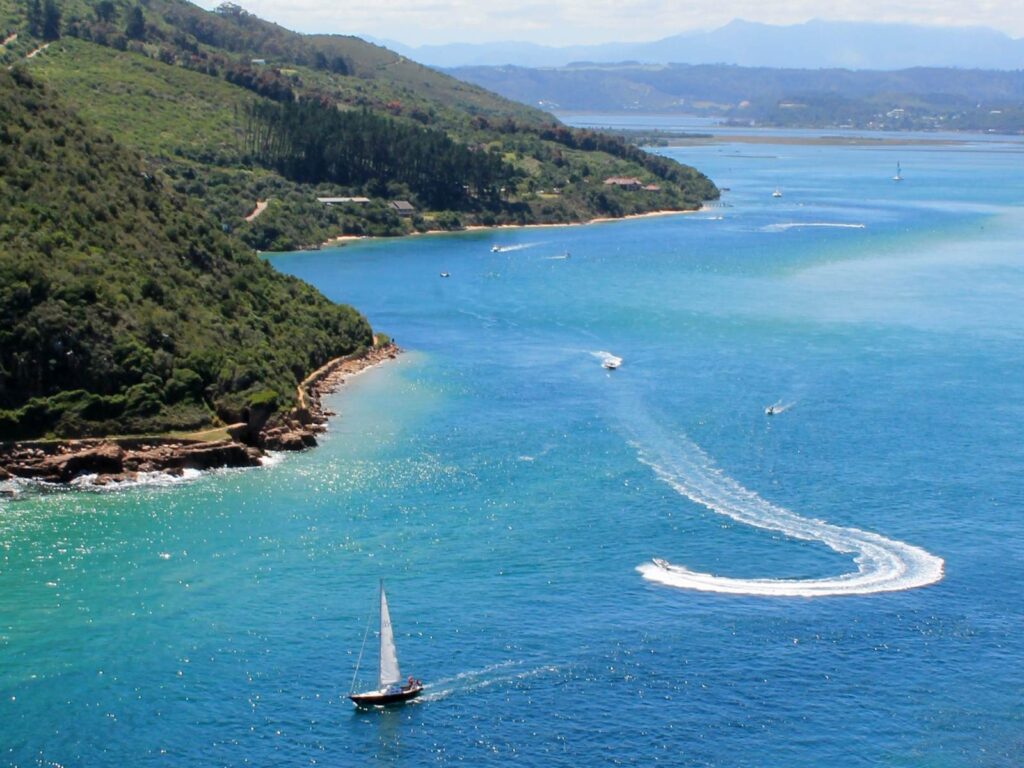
x: 507, y: 488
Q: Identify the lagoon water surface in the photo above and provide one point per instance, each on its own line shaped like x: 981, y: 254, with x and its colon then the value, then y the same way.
x: 845, y: 574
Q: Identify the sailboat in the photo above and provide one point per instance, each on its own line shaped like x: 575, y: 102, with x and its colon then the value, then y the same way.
x: 899, y: 173
x: 390, y: 689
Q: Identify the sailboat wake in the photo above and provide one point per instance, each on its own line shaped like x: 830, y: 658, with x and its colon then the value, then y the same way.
x: 505, y: 673
x: 883, y: 565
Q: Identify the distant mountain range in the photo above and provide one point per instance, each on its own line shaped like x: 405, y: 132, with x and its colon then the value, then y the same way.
x: 812, y: 45
x: 921, y: 98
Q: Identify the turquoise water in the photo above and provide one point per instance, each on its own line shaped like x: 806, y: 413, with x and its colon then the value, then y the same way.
x: 508, y: 488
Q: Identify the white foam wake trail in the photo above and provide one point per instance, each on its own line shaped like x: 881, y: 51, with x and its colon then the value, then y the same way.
x: 519, y: 247
x: 606, y: 357
x: 883, y: 565
x: 506, y: 673
x: 806, y: 224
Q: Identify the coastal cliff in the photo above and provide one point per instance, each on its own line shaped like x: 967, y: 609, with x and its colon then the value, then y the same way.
x: 116, y: 460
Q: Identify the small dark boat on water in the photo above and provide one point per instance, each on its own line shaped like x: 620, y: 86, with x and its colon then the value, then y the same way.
x: 386, y: 699
x: 390, y: 689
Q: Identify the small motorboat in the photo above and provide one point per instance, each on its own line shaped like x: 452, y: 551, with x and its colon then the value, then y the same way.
x: 445, y: 274
x: 611, y: 364
x: 390, y: 689
x: 771, y: 410
x: 664, y: 564
x: 777, y: 192
x: 495, y: 249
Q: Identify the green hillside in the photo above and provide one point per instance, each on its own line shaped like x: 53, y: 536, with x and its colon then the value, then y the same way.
x: 123, y: 307
x: 136, y: 140
x: 185, y: 90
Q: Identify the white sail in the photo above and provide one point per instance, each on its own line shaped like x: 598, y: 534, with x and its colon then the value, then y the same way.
x: 389, y: 674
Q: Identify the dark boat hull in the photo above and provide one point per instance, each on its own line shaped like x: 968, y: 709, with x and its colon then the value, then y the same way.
x: 378, y: 699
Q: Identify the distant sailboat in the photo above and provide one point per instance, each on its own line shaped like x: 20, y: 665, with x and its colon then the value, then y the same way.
x: 390, y: 689
x: 899, y: 172
x: 777, y: 192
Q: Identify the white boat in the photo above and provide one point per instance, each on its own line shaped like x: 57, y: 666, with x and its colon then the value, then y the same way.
x: 899, y: 173
x: 390, y: 688
x: 611, y: 363
x: 445, y: 274
x: 495, y: 249
x: 771, y: 410
x: 777, y: 192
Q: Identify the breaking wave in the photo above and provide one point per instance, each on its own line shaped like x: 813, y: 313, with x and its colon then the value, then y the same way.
x: 883, y: 565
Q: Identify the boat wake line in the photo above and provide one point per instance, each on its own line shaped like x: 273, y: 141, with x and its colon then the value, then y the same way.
x: 508, y: 673
x: 883, y: 565
x: 607, y: 357
x: 811, y: 225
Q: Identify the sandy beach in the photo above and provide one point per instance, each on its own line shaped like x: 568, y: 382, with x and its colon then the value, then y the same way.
x: 822, y: 140
x: 342, y: 240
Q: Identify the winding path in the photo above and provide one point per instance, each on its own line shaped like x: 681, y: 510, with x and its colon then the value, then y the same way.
x: 261, y: 206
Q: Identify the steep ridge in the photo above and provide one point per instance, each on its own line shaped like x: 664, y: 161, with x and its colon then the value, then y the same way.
x: 193, y: 90
x: 123, y: 306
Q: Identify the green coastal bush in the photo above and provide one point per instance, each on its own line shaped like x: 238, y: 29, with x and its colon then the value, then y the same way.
x: 124, y: 306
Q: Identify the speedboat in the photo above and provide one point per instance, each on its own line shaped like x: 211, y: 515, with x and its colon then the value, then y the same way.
x: 612, y: 364
x: 445, y: 274
x: 662, y: 563
x: 495, y: 249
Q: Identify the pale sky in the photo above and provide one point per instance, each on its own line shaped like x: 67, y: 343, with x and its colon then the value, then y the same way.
x: 571, y: 22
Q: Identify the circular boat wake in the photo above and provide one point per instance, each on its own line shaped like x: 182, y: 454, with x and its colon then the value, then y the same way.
x: 883, y: 564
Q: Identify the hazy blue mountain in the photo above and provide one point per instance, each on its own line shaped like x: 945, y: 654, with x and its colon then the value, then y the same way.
x: 812, y: 45
x: 919, y: 98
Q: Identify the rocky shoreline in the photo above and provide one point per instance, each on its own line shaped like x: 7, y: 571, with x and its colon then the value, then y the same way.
x: 116, y: 460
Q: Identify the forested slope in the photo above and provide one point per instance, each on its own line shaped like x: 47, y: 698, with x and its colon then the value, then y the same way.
x: 123, y: 306
x: 181, y: 85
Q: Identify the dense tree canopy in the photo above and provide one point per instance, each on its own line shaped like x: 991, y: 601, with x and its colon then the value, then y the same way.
x: 123, y: 306
x: 313, y: 142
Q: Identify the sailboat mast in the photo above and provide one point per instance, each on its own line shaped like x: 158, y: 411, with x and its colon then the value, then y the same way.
x: 359, y: 660
x: 384, y: 616
x: 387, y: 673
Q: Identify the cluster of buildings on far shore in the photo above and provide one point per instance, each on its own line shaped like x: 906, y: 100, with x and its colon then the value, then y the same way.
x: 402, y: 207
x: 406, y: 209
x: 630, y: 183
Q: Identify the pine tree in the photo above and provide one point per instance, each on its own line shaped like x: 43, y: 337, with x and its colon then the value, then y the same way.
x: 136, y: 27
x: 35, y: 18
x: 106, y: 11
x: 51, y: 21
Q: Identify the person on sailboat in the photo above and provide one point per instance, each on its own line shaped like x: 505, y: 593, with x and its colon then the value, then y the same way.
x: 409, y: 684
